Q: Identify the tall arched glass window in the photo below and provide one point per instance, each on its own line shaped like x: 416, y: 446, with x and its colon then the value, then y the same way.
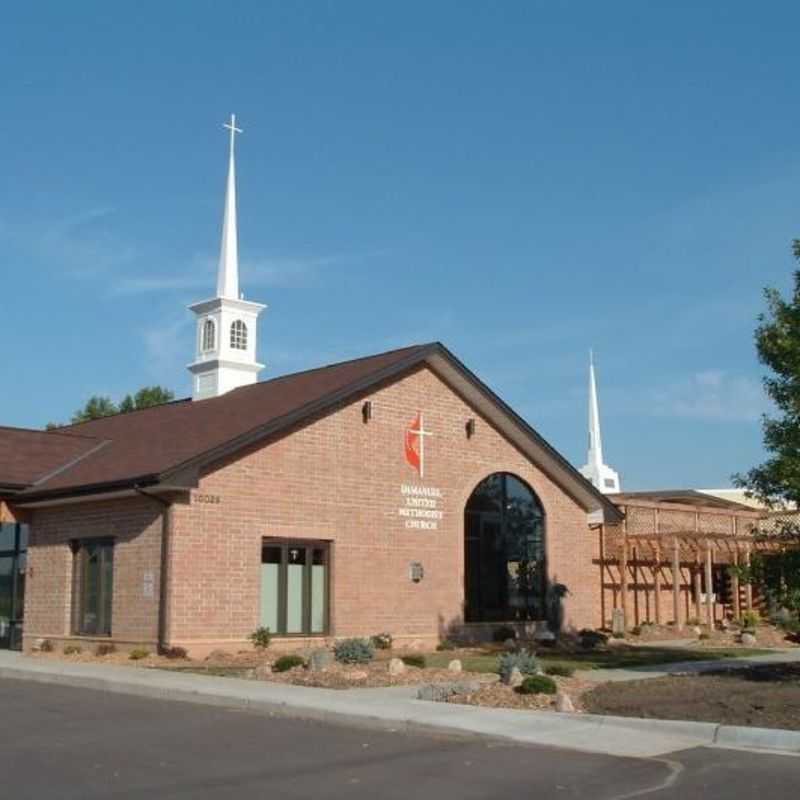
x: 209, y: 335
x: 239, y: 335
x: 504, y: 552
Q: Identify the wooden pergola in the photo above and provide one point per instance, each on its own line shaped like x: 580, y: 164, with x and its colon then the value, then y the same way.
x: 666, y: 538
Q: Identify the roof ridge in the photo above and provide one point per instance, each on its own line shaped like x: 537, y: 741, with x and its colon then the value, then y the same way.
x: 51, y: 432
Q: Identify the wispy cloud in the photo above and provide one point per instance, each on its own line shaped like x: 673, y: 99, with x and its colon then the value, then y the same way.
x: 712, y: 394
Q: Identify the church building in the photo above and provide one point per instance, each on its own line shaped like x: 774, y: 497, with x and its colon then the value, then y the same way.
x: 391, y: 493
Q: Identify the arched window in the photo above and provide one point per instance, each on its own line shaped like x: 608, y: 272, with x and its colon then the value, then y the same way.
x: 209, y: 335
x: 504, y: 552
x: 239, y: 335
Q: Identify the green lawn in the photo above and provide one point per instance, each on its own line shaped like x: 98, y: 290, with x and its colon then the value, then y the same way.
x: 617, y: 657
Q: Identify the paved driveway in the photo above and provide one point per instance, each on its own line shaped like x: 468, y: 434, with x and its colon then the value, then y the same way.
x: 59, y: 742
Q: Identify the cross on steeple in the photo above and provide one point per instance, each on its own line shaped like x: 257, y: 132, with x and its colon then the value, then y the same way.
x: 233, y: 129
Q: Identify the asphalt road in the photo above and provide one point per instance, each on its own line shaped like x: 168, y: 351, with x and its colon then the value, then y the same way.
x: 58, y: 742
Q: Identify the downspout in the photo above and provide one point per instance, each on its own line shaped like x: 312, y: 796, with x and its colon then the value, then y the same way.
x: 163, y: 583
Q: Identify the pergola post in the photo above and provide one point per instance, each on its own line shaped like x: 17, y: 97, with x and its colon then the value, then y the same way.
x: 602, y: 575
x: 676, y: 582
x: 623, y: 580
x: 698, y: 588
x: 737, y: 609
x: 748, y: 589
x: 709, y: 588
x: 657, y: 582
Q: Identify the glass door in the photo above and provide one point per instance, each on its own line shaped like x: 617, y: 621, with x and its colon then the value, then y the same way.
x: 13, y: 557
x: 294, y: 587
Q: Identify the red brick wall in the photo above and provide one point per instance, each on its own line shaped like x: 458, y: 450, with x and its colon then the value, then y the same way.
x: 135, y: 525
x: 339, y: 479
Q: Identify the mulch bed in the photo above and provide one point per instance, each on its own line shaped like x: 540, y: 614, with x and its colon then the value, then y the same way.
x: 498, y: 695
x: 765, y: 696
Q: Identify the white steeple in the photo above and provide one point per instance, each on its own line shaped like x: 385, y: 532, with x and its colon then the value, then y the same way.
x: 225, y: 356
x: 601, y: 475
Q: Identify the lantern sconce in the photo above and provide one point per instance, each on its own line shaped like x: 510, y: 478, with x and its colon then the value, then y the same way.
x: 366, y: 411
x: 470, y: 427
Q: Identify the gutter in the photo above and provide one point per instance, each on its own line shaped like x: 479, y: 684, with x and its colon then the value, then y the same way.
x: 163, y: 582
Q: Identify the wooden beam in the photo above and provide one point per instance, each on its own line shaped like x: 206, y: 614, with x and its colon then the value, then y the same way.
x: 602, y: 575
x: 709, y: 589
x: 657, y: 581
x: 676, y: 582
x: 748, y: 589
x: 623, y: 581
x: 698, y: 589
x: 737, y: 603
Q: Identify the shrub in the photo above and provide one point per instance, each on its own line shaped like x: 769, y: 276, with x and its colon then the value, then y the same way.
x: 750, y: 619
x: 446, y: 644
x: 524, y: 661
x: 538, y: 684
x: 562, y: 670
x: 353, y: 651
x: 636, y: 630
x: 46, y: 646
x: 261, y: 637
x: 618, y: 635
x: 105, y: 649
x: 382, y: 641
x: 138, y: 654
x: 502, y: 633
x: 173, y: 652
x: 591, y: 639
x: 704, y: 635
x: 414, y: 661
x: 72, y: 649
x: 288, y: 662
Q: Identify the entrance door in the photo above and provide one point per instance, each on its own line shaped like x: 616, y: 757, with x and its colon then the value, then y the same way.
x: 13, y: 556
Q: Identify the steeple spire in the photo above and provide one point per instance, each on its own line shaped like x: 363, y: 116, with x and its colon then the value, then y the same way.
x: 227, y: 325
x: 228, y: 275
x: 601, y: 475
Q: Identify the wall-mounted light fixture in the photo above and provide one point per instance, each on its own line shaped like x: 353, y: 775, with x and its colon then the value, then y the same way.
x: 470, y: 427
x: 366, y: 411
x: 416, y: 571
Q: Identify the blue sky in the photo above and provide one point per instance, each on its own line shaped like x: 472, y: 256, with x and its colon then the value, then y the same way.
x: 522, y: 181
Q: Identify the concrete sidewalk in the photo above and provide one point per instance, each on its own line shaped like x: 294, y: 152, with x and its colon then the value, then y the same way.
x: 590, y: 733
x: 788, y: 656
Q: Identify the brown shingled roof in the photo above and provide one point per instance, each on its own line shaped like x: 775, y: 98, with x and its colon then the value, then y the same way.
x: 143, y: 445
x: 27, y: 456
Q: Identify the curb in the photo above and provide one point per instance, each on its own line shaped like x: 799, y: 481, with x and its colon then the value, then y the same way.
x: 570, y: 731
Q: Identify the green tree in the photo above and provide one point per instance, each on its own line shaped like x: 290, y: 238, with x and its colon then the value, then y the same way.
x: 100, y: 406
x: 96, y: 407
x: 145, y: 398
x: 776, y: 482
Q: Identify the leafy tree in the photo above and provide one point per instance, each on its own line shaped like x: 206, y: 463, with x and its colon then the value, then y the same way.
x: 99, y: 406
x: 776, y: 482
x: 96, y: 407
x: 145, y: 398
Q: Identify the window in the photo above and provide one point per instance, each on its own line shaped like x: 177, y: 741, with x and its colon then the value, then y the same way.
x: 504, y: 551
x: 94, y: 586
x: 239, y: 335
x: 13, y: 557
x: 294, y: 587
x: 209, y: 335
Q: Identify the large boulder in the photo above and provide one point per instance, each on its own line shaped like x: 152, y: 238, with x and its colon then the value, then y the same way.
x: 513, y: 678
x: 564, y: 704
x: 748, y: 640
x: 455, y: 666
x: 396, y: 667
x: 319, y: 660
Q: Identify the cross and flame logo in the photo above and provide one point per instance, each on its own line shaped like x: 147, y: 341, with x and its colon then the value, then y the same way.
x: 415, y: 444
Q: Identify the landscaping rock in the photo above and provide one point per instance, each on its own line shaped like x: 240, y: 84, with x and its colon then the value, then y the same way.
x: 355, y: 675
x: 454, y: 666
x: 513, y: 678
x: 319, y: 660
x: 697, y: 630
x: 564, y: 704
x: 748, y: 640
x: 219, y: 655
x: 396, y: 667
x: 262, y: 672
x: 440, y: 692
x: 37, y: 645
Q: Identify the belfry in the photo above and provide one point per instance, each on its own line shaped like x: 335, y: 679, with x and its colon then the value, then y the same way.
x: 225, y: 349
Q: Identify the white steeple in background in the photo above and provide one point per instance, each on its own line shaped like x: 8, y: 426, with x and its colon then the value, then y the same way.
x: 228, y: 276
x: 225, y: 353
x: 601, y: 475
